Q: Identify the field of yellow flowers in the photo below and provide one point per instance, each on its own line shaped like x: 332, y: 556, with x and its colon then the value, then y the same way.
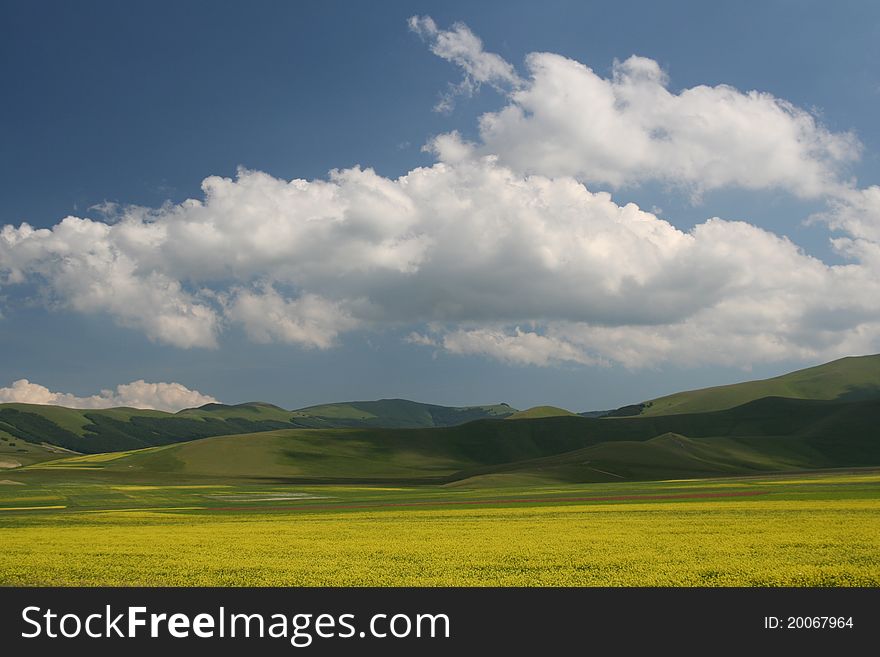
x: 799, y: 531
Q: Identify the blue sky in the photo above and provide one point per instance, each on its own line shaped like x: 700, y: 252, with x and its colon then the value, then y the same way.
x: 136, y: 105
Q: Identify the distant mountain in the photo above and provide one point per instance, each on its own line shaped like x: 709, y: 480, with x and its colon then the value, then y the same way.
x: 257, y: 411
x: 538, y: 412
x: 107, y: 430
x: 775, y: 422
x: 596, y: 413
x: 848, y: 379
x: 394, y: 414
x: 766, y: 435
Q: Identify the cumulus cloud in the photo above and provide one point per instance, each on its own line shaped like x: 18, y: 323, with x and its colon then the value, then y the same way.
x: 519, y: 347
x: 465, y: 49
x: 309, y: 320
x: 520, y: 262
x: 770, y: 302
x: 855, y: 211
x: 470, y: 246
x: 170, y: 397
x: 90, y: 271
x: 564, y: 119
x: 630, y: 128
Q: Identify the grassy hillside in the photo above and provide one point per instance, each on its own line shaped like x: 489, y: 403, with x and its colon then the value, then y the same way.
x: 741, y: 411
x: 847, y: 379
x: 114, y: 429
x: 394, y: 414
x: 254, y: 411
x: 539, y: 412
x: 15, y: 453
x: 106, y: 430
x: 766, y: 435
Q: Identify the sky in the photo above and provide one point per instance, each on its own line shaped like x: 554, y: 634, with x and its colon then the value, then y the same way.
x: 584, y: 204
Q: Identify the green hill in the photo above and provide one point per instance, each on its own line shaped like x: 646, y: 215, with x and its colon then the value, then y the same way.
x: 15, y: 453
x: 762, y: 436
x: 847, y: 379
x: 825, y: 416
x: 254, y: 411
x: 107, y: 430
x: 539, y: 412
x: 114, y: 429
x: 394, y: 414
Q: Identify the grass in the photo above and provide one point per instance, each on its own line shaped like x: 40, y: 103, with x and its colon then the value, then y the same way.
x: 394, y: 414
x: 764, y: 436
x: 539, y: 412
x: 15, y: 452
x: 114, y: 429
x: 796, y: 530
x: 849, y: 379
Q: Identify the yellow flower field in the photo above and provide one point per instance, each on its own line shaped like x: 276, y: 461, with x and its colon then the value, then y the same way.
x: 754, y: 542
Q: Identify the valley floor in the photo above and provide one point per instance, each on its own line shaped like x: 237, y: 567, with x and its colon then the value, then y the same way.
x: 817, y: 529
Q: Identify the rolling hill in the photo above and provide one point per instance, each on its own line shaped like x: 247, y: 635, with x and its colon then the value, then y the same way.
x: 766, y: 435
x: 846, y: 379
x: 394, y: 414
x: 539, y: 412
x: 821, y: 417
x: 113, y: 429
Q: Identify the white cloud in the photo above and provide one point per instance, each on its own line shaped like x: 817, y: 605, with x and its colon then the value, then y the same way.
x: 857, y: 212
x: 472, y: 246
x: 630, y: 128
x: 465, y: 49
x: 170, y: 397
x: 90, y: 270
x: 566, y: 120
x: 421, y: 339
x: 519, y: 347
x: 309, y: 320
x: 477, y: 248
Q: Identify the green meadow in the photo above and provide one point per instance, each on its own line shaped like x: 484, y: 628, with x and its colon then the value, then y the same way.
x: 806, y: 529
x: 764, y: 483
x: 845, y: 379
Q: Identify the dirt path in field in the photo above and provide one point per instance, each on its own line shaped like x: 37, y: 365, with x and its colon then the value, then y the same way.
x: 520, y: 500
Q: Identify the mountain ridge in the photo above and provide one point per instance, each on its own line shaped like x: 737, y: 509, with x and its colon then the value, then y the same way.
x: 849, y: 378
x: 124, y: 428
x: 767, y: 435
